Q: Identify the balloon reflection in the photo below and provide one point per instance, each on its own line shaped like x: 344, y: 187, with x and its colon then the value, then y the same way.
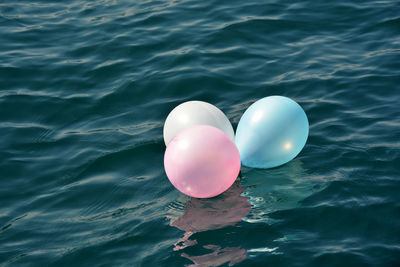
x: 218, y: 257
x: 259, y: 193
x: 277, y: 189
x: 210, y: 214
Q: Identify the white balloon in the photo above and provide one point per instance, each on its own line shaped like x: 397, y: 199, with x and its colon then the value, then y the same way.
x: 195, y: 113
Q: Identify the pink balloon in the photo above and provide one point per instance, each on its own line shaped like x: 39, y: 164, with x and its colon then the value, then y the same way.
x: 202, y: 161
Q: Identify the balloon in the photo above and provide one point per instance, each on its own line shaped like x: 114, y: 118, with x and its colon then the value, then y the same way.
x: 271, y: 132
x: 201, y: 161
x: 195, y: 113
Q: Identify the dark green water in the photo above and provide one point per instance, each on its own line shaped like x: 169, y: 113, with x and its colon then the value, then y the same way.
x: 85, y: 87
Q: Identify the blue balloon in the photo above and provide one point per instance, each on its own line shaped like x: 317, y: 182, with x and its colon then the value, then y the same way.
x: 271, y: 132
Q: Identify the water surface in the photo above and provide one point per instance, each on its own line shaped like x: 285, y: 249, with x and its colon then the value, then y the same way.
x: 85, y: 87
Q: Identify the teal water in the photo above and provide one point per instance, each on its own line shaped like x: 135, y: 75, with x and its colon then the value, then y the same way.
x: 85, y: 87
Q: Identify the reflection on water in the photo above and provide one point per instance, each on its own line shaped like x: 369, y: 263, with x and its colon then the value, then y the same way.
x: 258, y: 193
x: 218, y: 257
x: 276, y: 189
x: 211, y: 214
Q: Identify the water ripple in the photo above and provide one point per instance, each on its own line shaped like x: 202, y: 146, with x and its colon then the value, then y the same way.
x: 85, y: 87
